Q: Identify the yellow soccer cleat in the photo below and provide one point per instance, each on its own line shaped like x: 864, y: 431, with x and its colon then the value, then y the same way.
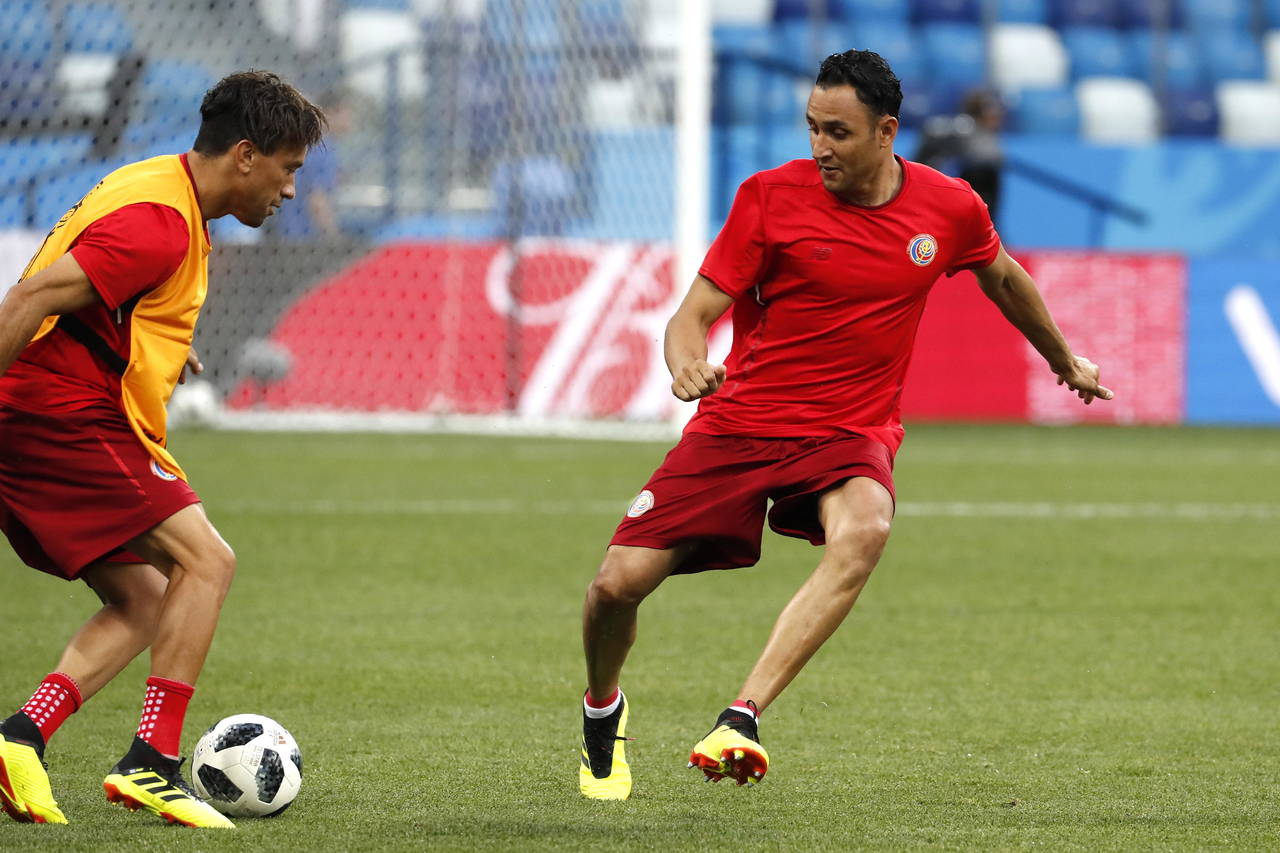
x: 25, y: 794
x: 732, y: 749
x: 604, y: 773
x: 145, y: 779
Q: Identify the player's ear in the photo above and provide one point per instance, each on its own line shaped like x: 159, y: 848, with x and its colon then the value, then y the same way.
x: 243, y: 154
x: 887, y: 130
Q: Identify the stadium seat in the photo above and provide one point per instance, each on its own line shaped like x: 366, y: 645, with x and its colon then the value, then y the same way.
x: 742, y: 39
x: 1049, y: 111
x: 895, y: 42
x: 748, y: 94
x: 1271, y: 47
x: 1027, y: 55
x: 955, y: 53
x: 868, y: 10
x: 787, y: 10
x: 1084, y: 13
x: 367, y: 38
x: 921, y: 102
x: 1099, y: 52
x: 1212, y: 15
x: 1117, y: 110
x: 1023, y: 12
x: 1250, y: 112
x: 1231, y: 55
x: 1271, y: 14
x: 729, y: 12
x: 28, y: 57
x: 1146, y: 14
x: 928, y: 12
x: 1190, y: 112
x: 173, y: 89
x: 801, y: 44
x: 1172, y: 64
x: 96, y: 28
x: 392, y: 5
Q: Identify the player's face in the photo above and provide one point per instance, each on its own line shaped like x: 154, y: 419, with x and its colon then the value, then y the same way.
x: 849, y: 141
x: 268, y: 181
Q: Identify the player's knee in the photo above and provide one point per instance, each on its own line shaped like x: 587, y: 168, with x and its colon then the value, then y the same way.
x: 216, y: 566
x: 614, y: 586
x: 855, y: 549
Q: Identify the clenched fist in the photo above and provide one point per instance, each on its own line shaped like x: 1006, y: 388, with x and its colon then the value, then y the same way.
x: 697, y: 379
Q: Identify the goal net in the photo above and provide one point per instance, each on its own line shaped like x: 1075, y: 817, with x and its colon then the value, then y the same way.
x: 487, y: 241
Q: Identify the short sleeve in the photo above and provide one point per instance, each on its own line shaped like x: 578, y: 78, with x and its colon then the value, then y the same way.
x: 132, y: 250
x: 982, y: 243
x: 737, y: 258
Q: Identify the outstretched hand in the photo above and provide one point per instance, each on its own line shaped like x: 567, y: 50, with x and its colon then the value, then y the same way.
x: 1082, y: 377
x: 697, y: 379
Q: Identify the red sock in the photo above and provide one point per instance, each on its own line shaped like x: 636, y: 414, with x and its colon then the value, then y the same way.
x: 746, y: 706
x: 593, y: 702
x: 163, y: 712
x: 57, y: 698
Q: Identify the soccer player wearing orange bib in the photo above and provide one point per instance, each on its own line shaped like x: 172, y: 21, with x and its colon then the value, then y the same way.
x: 93, y: 340
x: 826, y: 263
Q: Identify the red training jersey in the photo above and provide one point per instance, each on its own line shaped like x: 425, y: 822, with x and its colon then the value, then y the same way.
x: 829, y: 296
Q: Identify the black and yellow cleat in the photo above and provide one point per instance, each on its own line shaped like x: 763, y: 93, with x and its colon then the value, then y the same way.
x: 25, y: 794
x: 732, y: 748
x: 604, y: 773
x: 145, y: 779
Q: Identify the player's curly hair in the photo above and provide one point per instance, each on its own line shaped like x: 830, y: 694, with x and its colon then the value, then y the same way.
x: 869, y: 75
x: 260, y: 107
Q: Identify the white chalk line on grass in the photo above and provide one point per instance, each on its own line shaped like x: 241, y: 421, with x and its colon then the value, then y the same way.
x: 942, y: 509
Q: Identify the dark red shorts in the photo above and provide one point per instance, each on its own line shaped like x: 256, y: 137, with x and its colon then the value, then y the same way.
x: 76, y: 486
x: 714, y: 490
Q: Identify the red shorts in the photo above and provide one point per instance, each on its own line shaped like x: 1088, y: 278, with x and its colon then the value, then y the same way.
x: 714, y: 489
x: 76, y: 486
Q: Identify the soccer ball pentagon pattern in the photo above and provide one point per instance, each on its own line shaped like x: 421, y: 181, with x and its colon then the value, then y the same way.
x: 247, y: 765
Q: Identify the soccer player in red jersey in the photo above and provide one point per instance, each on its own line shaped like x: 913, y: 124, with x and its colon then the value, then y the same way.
x: 826, y: 263
x: 92, y: 341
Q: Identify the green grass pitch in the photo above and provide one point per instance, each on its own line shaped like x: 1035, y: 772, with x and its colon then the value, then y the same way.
x: 1072, y: 643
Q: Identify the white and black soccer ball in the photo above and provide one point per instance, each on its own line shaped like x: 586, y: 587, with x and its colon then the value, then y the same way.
x: 247, y: 766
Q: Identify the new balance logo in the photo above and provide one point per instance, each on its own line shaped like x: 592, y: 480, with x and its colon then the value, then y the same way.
x: 822, y: 253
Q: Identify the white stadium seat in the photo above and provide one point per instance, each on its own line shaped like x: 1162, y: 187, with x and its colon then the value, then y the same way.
x: 1117, y: 110
x: 741, y: 11
x: 1250, y: 112
x: 368, y: 35
x: 1027, y: 56
x: 1271, y: 45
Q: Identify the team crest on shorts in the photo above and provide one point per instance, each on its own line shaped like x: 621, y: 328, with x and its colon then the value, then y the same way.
x: 161, y: 473
x: 642, y: 504
x: 922, y: 249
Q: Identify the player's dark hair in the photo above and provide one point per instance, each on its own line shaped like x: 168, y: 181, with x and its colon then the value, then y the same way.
x: 260, y: 107
x: 869, y: 75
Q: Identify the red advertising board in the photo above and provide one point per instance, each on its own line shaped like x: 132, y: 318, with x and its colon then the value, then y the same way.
x: 564, y: 328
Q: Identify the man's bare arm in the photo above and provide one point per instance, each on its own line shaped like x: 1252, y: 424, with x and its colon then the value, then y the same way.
x: 60, y: 288
x: 1013, y: 291
x: 686, y: 341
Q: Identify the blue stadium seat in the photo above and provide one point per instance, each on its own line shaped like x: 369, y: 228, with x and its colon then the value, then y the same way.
x: 1182, y: 67
x: 784, y: 10
x: 896, y: 42
x: 921, y: 102
x: 1143, y: 14
x: 743, y: 39
x: 172, y: 90
x: 1190, y: 112
x: 746, y: 94
x: 393, y: 5
x: 868, y: 10
x: 801, y: 44
x: 1212, y: 15
x: 1045, y: 111
x: 96, y: 28
x: 1023, y: 12
x: 940, y: 11
x: 1271, y: 14
x: 24, y: 160
x: 509, y: 22
x: 1084, y: 13
x: 27, y: 57
x: 1231, y: 55
x: 1099, y: 52
x: 955, y: 53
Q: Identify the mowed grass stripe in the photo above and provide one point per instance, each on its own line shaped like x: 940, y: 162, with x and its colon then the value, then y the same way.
x: 925, y: 509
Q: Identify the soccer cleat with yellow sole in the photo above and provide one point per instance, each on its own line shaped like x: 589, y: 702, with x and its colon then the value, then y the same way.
x: 603, y: 773
x: 144, y: 779
x: 732, y: 748
x: 25, y: 794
